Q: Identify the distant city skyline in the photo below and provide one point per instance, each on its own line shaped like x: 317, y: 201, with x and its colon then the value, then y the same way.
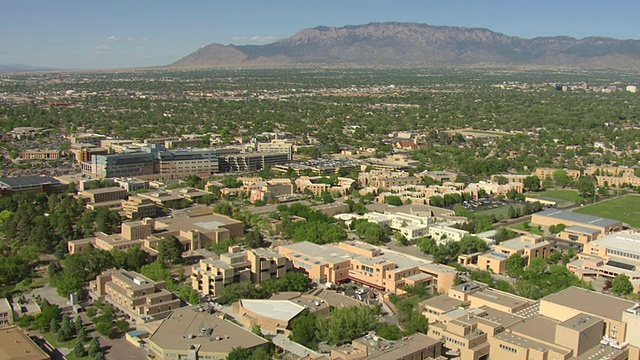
x: 81, y: 34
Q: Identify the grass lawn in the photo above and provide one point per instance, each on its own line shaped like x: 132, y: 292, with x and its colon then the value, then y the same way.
x: 562, y: 197
x: 625, y: 209
x: 532, y: 229
x: 52, y: 339
x: 502, y: 212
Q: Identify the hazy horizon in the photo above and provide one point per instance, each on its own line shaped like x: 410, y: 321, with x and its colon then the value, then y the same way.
x: 76, y: 34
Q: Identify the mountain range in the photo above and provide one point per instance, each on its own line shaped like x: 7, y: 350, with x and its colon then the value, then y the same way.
x: 414, y: 44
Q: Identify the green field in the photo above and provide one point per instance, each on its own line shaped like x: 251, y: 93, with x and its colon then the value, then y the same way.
x: 532, y: 229
x: 625, y: 209
x: 501, y: 213
x: 562, y: 197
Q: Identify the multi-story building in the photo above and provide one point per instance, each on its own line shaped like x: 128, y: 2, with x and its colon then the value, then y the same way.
x: 120, y: 165
x: 528, y: 246
x: 83, y: 152
x: 556, y: 217
x: 140, y: 297
x: 193, y: 333
x: 173, y: 165
x: 251, y: 161
x: 475, y: 322
x: 6, y: 312
x: 15, y: 344
x: 85, y: 138
x: 238, y: 265
x: 608, y: 257
x: 137, y: 207
x: 417, y: 346
x: 31, y: 183
x: 111, y: 193
x: 547, y: 173
x: 41, y: 154
x: 276, y: 146
x: 368, y: 265
x: 194, y: 231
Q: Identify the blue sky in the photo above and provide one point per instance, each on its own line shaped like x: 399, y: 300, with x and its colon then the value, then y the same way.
x: 99, y: 34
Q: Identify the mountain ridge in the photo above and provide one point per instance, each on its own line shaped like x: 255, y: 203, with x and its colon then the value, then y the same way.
x: 395, y: 43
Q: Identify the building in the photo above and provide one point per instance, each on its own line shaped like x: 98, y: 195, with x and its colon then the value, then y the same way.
x: 138, y: 296
x: 195, y: 231
x: 415, y: 347
x: 238, y: 265
x: 246, y: 162
x: 15, y: 344
x: 547, y: 173
x: 137, y: 207
x: 107, y: 194
x: 41, y: 154
x: 550, y: 217
x: 86, y: 138
x: 368, y: 265
x: 276, y: 146
x: 608, y: 257
x: 83, y: 152
x: 172, y: 165
x: 18, y: 184
x: 475, y: 322
x: 198, y: 333
x: 528, y: 246
x: 274, y: 316
x: 119, y: 165
x: 6, y: 312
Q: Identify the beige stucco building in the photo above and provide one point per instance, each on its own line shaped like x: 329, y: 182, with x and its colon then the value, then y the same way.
x: 140, y: 297
x: 368, y: 265
x: 528, y: 246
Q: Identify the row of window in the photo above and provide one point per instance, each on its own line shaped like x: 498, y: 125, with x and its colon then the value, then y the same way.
x: 623, y: 254
x: 508, y: 348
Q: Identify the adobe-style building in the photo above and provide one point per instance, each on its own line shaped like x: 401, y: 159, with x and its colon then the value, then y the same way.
x: 140, y: 297
x: 370, y: 346
x: 608, y: 257
x: 195, y: 231
x: 6, y: 312
x: 238, y: 265
x: 368, y: 265
x: 137, y: 207
x: 274, y: 316
x: 474, y: 322
x: 528, y: 246
x: 199, y: 333
x: 15, y: 344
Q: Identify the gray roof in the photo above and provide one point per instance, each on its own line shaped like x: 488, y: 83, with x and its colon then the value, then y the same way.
x: 590, y: 302
x: 20, y: 182
x: 578, y: 218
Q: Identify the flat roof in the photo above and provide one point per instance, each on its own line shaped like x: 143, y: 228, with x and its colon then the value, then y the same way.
x: 537, y: 327
x: 582, y: 229
x: 105, y: 190
x: 16, y: 345
x: 500, y: 298
x: 518, y: 340
x: 629, y: 243
x: 183, y: 328
x: 19, y: 182
x: 581, y: 321
x: 442, y: 302
x: 274, y: 309
x: 590, y: 302
x: 578, y: 218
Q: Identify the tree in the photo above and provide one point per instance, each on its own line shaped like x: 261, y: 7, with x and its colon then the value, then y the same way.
x: 303, y: 330
x: 239, y: 353
x: 254, y: 239
x: 189, y: 295
x: 531, y: 183
x: 170, y: 250
x: 94, y: 347
x: 223, y: 208
x: 515, y: 265
x: 389, y: 332
x: 503, y: 234
x: 561, y: 178
x: 621, y: 285
x: 585, y: 186
x: 393, y: 200
x: 78, y: 349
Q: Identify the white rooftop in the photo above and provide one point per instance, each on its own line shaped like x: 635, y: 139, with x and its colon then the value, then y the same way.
x: 275, y: 309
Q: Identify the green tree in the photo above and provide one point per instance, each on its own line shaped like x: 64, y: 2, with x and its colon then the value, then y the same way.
x: 170, y: 250
x: 78, y: 349
x: 515, y: 265
x: 621, y: 285
x: 254, y: 239
x: 388, y: 331
x: 585, y: 186
x: 561, y: 178
x: 303, y: 330
x: 94, y: 347
x: 531, y: 183
x: 223, y: 208
x: 189, y: 295
x: 393, y: 200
